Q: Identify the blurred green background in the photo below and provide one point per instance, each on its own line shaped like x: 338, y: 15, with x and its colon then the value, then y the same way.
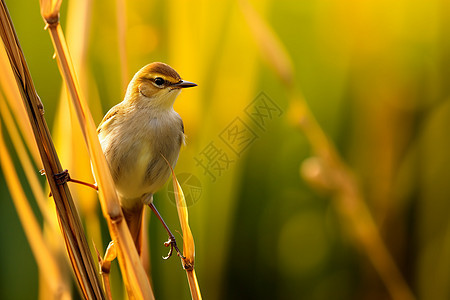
x: 375, y: 75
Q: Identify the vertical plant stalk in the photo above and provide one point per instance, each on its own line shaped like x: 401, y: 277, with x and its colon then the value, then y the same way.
x: 74, y: 238
x: 328, y: 170
x: 188, y: 239
x: 67, y: 135
x: 135, y: 278
x: 193, y: 284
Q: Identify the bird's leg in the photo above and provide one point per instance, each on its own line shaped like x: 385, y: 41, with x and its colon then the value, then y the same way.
x: 91, y: 185
x: 171, y: 242
x: 64, y: 177
x: 105, y: 266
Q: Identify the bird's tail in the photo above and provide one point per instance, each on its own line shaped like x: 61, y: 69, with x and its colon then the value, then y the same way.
x: 133, y: 216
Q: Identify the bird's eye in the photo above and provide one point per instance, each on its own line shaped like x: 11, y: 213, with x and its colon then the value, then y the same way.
x: 159, y: 81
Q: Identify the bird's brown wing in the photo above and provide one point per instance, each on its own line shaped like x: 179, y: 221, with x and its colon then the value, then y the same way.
x: 108, y: 118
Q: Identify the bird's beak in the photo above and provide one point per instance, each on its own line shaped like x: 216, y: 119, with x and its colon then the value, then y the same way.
x: 183, y: 84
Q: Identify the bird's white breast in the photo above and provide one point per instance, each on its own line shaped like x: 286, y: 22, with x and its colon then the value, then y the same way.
x: 133, y: 148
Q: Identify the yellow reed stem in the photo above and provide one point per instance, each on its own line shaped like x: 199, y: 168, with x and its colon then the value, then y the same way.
x: 188, y: 238
x: 193, y: 285
x: 66, y: 132
x: 134, y: 275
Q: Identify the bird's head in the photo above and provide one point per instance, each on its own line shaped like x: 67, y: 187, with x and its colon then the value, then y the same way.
x: 156, y: 85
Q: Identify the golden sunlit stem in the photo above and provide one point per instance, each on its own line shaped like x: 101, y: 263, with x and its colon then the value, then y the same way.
x: 66, y: 132
x: 105, y: 266
x: 193, y: 285
x: 134, y: 275
x: 188, y: 239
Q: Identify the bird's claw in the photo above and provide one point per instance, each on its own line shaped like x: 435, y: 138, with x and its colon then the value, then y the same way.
x: 62, y: 178
x: 173, y: 244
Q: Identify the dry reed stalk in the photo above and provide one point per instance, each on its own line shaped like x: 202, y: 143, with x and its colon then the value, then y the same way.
x: 105, y: 265
x: 67, y: 135
x: 136, y: 281
x: 78, y: 27
x: 328, y: 170
x: 44, y: 257
x: 188, y: 238
x: 193, y: 284
x: 76, y: 244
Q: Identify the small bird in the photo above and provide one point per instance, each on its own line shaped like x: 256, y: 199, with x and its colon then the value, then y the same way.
x: 138, y: 135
